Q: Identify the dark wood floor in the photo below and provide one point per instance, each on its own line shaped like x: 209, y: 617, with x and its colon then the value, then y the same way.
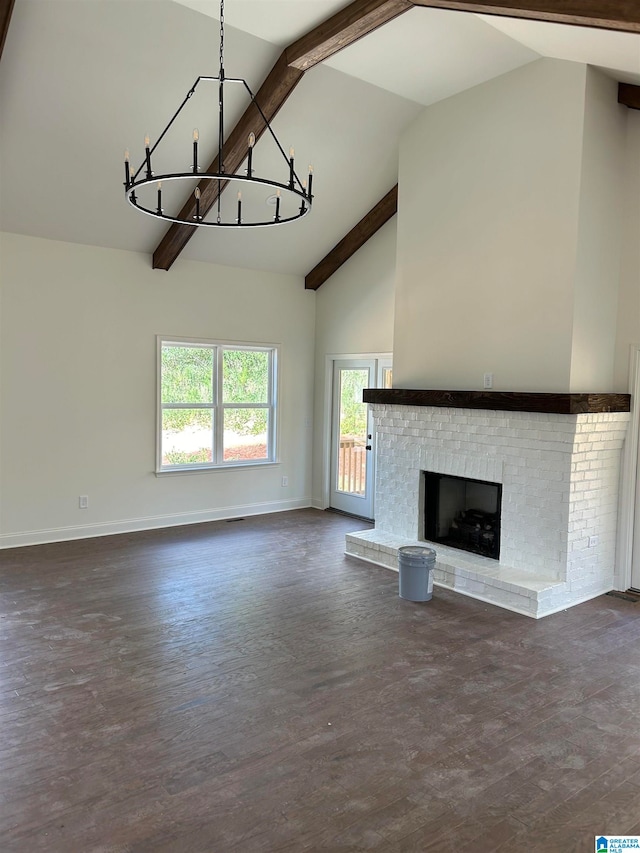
x: 246, y: 687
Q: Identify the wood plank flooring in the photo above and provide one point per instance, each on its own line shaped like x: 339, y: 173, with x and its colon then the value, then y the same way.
x: 245, y: 687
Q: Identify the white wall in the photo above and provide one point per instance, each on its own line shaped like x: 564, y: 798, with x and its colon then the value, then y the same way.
x: 509, y: 234
x: 597, y: 274
x: 629, y: 300
x: 78, y: 387
x: 487, y: 227
x: 354, y: 314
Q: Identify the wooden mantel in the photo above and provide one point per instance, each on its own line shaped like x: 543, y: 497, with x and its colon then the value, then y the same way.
x: 506, y: 401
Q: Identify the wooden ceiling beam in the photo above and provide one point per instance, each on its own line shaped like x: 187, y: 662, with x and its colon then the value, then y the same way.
x: 355, y: 239
x: 629, y: 95
x: 606, y: 14
x: 344, y: 28
x: 6, y: 8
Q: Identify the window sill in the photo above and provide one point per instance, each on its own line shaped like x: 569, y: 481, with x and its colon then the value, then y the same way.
x: 209, y: 469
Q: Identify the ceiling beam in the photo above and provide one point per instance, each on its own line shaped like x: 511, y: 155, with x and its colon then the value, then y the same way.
x: 355, y: 239
x: 6, y: 8
x: 629, y: 95
x: 339, y: 31
x: 607, y: 14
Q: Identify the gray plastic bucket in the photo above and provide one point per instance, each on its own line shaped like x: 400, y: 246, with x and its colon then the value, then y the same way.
x: 415, y: 566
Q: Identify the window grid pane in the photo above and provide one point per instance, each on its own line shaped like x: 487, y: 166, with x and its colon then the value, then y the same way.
x: 187, y: 436
x: 245, y: 376
x: 246, y: 434
x: 187, y: 374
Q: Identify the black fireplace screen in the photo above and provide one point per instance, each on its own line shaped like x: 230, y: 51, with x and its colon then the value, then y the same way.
x: 463, y: 513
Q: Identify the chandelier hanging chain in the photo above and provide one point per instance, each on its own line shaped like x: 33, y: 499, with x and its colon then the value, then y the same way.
x: 220, y: 114
x: 293, y: 188
x: 222, y: 39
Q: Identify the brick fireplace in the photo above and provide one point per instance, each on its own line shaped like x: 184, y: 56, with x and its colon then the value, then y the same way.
x: 558, y: 467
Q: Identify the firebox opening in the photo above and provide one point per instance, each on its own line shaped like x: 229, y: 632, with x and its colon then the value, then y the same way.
x: 463, y: 513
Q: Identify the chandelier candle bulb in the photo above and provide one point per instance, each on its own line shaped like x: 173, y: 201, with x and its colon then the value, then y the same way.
x: 197, y: 195
x: 160, y: 197
x: 147, y: 155
x: 277, y: 216
x: 252, y: 142
x: 291, y: 156
x: 239, y: 208
x: 196, y: 136
x: 127, y: 170
x: 310, y: 179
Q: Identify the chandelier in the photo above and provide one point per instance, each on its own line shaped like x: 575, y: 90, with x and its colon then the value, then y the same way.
x: 287, y: 199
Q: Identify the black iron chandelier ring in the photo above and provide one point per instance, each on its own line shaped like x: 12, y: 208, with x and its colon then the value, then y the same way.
x: 220, y: 179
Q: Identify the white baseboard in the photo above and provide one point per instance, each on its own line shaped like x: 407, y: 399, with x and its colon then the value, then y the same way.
x: 150, y: 522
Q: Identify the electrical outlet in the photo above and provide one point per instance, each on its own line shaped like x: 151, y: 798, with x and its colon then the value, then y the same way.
x: 488, y: 380
x: 285, y: 481
x: 83, y: 501
x: 593, y: 541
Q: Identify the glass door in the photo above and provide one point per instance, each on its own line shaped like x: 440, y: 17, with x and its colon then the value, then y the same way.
x: 352, y: 436
x: 351, y: 488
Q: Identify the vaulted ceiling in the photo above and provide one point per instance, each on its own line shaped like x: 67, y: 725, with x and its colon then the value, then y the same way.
x: 81, y: 81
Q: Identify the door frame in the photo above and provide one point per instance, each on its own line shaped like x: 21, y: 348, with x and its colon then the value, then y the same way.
x: 629, y: 507
x: 330, y: 358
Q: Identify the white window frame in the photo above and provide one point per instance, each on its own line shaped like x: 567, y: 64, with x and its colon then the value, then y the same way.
x: 218, y: 407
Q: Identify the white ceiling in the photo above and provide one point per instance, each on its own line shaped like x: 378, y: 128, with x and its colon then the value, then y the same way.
x: 80, y: 81
x: 442, y: 53
x: 616, y: 52
x: 426, y: 43
x: 277, y: 21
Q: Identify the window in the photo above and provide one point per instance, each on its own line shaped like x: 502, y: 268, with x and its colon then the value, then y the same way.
x: 217, y: 405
